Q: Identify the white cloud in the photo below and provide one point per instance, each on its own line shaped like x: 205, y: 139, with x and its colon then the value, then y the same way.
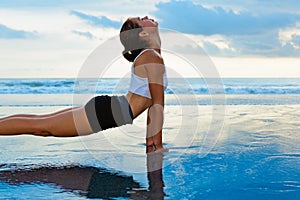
x: 42, y: 21
x: 9, y: 33
x: 254, y: 6
x: 56, y: 52
x: 64, y: 41
x: 287, y: 36
x: 215, y: 44
x: 86, y: 34
x: 221, y: 42
x: 97, y: 21
x: 257, y: 67
x: 186, y: 17
x: 235, y: 29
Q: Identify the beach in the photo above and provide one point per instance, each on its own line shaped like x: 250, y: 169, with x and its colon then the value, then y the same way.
x: 255, y: 154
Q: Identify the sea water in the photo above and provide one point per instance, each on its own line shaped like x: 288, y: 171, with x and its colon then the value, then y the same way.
x: 255, y: 155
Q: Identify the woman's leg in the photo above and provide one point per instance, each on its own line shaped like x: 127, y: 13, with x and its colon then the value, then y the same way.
x: 66, y: 123
x: 35, y: 115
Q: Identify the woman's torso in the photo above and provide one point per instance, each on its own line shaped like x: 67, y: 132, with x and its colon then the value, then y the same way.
x: 139, y: 103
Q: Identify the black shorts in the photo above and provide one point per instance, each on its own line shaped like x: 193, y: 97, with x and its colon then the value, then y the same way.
x: 105, y: 112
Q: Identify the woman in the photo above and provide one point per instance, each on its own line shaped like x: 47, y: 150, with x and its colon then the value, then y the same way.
x: 141, y: 41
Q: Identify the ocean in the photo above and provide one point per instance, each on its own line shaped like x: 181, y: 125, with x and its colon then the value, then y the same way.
x: 238, y: 142
x: 109, y: 85
x: 262, y: 91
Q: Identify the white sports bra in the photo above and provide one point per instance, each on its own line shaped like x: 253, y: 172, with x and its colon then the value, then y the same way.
x: 140, y: 85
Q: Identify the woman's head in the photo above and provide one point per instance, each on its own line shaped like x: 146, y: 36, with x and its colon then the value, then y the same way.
x: 135, y: 36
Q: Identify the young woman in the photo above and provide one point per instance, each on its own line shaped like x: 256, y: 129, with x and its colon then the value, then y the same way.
x: 141, y: 41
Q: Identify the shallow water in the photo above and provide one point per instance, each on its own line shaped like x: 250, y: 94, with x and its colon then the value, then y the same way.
x: 244, y: 147
x: 256, y: 156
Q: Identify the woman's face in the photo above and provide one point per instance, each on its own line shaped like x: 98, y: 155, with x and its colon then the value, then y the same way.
x: 145, y: 22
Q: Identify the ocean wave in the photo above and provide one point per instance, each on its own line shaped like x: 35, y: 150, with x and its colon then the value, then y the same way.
x: 236, y: 90
x: 63, y: 100
x: 262, y: 90
x: 112, y: 86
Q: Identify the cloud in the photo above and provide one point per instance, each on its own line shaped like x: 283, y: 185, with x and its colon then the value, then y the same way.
x: 290, y: 36
x: 264, y: 44
x: 85, y: 34
x: 97, y: 21
x: 255, y: 6
x: 296, y: 41
x: 9, y: 33
x: 234, y: 29
x: 187, y: 17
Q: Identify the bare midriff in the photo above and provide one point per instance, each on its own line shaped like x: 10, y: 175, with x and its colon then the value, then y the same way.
x: 138, y: 103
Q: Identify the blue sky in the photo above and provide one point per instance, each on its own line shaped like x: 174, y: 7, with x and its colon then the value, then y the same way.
x: 42, y: 37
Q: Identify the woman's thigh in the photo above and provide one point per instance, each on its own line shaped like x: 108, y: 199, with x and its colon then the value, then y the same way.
x: 72, y: 122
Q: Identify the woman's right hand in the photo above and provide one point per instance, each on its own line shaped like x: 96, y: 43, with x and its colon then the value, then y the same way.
x: 153, y: 148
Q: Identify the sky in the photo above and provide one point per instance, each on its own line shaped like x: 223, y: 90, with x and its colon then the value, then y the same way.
x: 249, y: 38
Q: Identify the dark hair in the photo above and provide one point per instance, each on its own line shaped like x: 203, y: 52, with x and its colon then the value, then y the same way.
x: 130, y: 39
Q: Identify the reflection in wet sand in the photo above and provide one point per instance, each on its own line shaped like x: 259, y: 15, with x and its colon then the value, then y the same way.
x: 92, y: 182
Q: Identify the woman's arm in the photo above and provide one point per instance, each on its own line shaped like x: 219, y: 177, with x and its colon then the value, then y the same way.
x: 155, y: 70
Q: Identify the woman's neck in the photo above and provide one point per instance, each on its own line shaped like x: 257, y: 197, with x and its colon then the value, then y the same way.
x: 158, y: 50
x: 155, y: 42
